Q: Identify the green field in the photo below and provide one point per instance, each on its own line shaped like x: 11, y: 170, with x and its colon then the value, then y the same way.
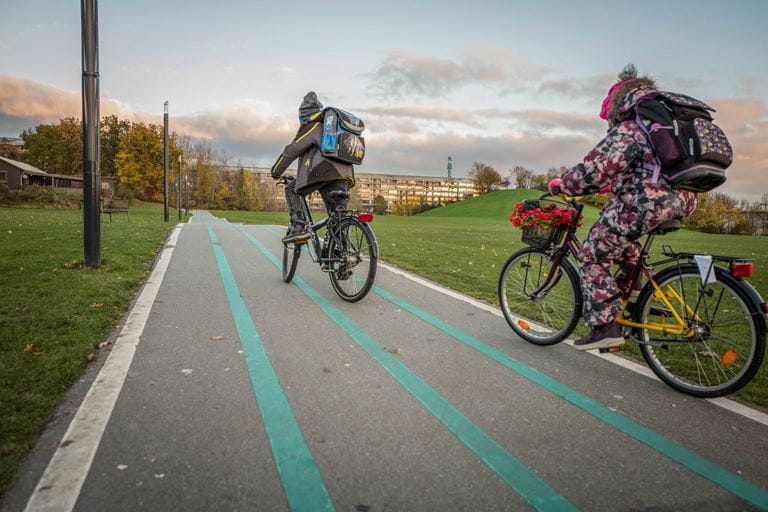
x: 54, y: 313
x: 464, y: 246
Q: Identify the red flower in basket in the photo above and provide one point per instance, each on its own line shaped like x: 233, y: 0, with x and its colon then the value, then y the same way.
x: 547, y: 216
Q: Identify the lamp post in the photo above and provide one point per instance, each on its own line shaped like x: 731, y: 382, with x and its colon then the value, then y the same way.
x: 91, y: 173
x: 178, y: 189
x: 165, y: 161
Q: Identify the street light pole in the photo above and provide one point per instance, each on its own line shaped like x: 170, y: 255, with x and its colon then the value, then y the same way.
x: 178, y: 189
x: 165, y: 161
x: 91, y: 173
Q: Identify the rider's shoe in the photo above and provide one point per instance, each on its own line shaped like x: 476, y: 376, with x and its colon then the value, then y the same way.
x: 297, y: 233
x: 602, y: 336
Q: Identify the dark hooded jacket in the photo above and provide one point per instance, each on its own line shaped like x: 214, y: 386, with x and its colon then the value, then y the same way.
x: 313, y: 167
x: 622, y: 157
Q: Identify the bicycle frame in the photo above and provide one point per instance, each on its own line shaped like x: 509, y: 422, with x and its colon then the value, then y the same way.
x: 571, y: 245
x: 315, y: 248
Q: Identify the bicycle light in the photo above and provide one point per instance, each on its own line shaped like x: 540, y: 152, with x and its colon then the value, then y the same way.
x: 368, y: 217
x: 742, y: 269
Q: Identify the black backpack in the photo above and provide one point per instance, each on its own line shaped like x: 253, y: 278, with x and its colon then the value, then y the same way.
x: 692, y: 152
x: 342, y: 140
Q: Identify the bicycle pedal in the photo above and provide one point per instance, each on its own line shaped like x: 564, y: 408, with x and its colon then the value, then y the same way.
x: 611, y: 349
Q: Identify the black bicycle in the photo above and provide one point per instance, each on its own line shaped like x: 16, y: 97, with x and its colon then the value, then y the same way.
x: 347, y: 253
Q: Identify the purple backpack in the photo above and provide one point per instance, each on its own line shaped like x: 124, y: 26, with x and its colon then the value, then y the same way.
x: 692, y: 152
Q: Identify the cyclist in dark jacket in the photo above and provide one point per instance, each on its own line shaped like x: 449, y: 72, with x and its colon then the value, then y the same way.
x: 638, y: 206
x: 315, y: 171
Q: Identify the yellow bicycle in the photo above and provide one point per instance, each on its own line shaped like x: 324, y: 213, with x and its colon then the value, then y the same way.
x: 700, y: 327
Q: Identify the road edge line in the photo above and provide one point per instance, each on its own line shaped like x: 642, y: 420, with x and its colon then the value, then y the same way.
x: 59, y: 486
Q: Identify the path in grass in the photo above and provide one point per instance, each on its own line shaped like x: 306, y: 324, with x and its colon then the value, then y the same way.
x: 464, y: 245
x: 54, y: 313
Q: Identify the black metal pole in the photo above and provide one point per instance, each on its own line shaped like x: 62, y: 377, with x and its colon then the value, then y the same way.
x: 91, y: 173
x: 165, y: 161
x: 178, y: 189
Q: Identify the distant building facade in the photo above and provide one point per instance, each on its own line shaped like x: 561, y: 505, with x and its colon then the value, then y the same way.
x: 396, y: 189
x: 15, y: 175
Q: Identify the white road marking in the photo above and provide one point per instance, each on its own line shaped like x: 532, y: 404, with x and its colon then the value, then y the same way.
x: 60, y: 485
x: 725, y: 403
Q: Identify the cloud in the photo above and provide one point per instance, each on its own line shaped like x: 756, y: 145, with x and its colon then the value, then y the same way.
x: 404, y: 73
x: 541, y: 119
x: 26, y: 99
x: 591, y: 88
x: 745, y: 122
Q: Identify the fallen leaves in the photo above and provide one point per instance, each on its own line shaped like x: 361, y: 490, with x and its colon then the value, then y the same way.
x: 29, y: 348
x: 96, y: 305
x: 217, y: 338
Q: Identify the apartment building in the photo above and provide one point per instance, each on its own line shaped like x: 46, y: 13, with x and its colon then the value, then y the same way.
x: 396, y: 189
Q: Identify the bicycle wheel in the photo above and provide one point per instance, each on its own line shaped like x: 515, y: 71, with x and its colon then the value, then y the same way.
x: 291, y: 252
x: 549, y: 316
x: 354, y: 254
x: 725, y: 345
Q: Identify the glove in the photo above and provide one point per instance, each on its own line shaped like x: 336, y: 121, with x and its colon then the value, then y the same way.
x: 554, y: 187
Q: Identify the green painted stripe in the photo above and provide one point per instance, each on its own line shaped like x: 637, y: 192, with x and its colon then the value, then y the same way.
x: 709, y: 470
x: 299, y: 476
x: 533, y: 489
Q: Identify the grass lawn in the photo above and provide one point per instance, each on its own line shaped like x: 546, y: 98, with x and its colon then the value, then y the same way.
x: 54, y: 313
x: 464, y: 245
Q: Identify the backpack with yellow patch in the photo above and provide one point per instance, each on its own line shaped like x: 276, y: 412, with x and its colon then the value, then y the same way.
x: 342, y: 140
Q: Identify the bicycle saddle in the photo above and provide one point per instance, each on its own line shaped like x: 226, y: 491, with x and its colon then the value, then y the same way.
x: 666, y: 227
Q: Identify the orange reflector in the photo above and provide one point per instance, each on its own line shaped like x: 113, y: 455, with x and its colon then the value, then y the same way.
x: 523, y: 325
x: 729, y: 357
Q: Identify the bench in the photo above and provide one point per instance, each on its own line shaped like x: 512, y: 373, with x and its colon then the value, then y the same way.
x: 115, y: 206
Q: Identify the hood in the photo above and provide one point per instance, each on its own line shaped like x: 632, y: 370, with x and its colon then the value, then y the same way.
x: 627, y: 96
x: 310, y: 105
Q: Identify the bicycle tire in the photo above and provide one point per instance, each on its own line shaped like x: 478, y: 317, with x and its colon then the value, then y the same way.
x: 527, y: 316
x: 684, y: 365
x: 355, y: 249
x: 291, y: 253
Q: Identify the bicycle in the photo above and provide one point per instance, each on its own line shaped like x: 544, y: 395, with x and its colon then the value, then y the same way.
x: 702, y: 338
x: 348, y: 252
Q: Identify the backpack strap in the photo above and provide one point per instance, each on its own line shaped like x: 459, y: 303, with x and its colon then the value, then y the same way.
x: 655, y: 166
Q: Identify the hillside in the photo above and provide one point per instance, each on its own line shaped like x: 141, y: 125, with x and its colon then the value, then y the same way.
x: 495, y: 205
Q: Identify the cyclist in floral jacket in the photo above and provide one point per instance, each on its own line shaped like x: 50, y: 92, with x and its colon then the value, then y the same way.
x: 638, y: 206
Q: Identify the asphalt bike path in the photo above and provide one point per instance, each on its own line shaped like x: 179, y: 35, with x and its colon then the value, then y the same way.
x: 249, y: 393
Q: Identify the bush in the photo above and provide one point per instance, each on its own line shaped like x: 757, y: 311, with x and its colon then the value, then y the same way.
x: 421, y: 208
x: 41, y: 197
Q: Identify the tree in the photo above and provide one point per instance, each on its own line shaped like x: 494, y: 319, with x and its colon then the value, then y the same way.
x: 140, y: 160
x: 112, y: 131
x: 379, y: 205
x: 55, y: 148
x: 486, y: 178
x: 245, y: 190
x: 522, y: 176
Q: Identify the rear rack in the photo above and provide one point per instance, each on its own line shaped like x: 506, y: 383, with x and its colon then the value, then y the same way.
x: 666, y: 250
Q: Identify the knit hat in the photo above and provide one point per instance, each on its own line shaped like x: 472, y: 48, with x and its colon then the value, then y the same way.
x: 628, y: 73
x: 310, y: 105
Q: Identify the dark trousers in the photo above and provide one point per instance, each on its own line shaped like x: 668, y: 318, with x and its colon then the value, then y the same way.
x: 331, y: 204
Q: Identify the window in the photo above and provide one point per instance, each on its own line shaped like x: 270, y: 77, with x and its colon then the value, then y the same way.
x: 3, y: 176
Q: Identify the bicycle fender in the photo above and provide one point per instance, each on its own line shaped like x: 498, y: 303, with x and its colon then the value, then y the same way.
x: 373, y: 236
x: 755, y: 296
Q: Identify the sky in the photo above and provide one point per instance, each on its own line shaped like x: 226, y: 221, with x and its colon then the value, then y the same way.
x: 503, y: 82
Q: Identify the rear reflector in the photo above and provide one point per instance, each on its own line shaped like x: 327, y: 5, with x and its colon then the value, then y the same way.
x: 742, y: 269
x: 365, y: 217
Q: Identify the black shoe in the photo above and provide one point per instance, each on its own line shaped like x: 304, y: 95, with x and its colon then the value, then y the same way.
x: 297, y: 233
x: 602, y: 336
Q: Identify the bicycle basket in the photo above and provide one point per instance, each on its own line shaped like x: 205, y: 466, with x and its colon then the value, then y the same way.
x: 543, y: 222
